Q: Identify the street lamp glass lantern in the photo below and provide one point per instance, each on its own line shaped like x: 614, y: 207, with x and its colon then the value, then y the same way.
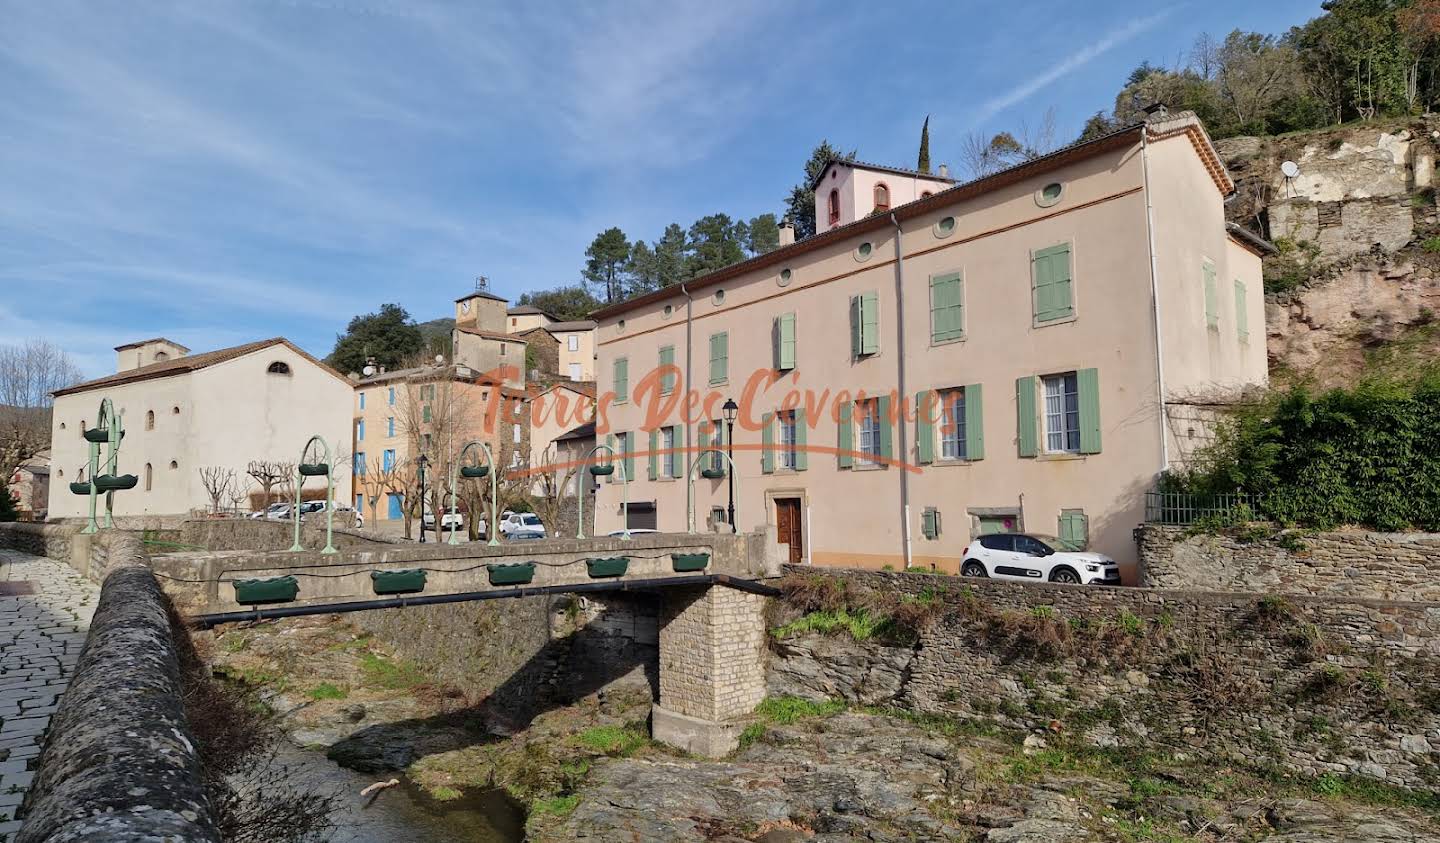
x: 731, y: 410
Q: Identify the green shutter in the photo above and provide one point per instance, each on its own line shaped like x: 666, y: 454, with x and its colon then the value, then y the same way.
x: 767, y: 443
x: 425, y: 413
x: 947, y: 307
x: 704, y: 440
x: 887, y: 429
x: 930, y: 523
x: 785, y: 341
x: 622, y: 379
x: 667, y: 378
x: 924, y: 427
x: 854, y: 326
x: 1025, y: 415
x: 1051, y: 279
x: 719, y: 357
x: 801, y: 462
x: 1212, y: 312
x: 610, y: 456
x: 1074, y: 527
x: 1242, y: 316
x: 676, y: 457
x: 629, y: 457
x: 974, y: 422
x: 653, y: 469
x: 870, y: 323
x: 845, y: 425
x: 1089, y: 384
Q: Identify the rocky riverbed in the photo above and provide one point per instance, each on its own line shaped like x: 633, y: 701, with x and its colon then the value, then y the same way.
x: 808, y: 772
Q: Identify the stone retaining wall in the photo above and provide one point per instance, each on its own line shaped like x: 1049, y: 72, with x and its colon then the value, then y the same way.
x: 1387, y: 566
x: 261, y: 534
x: 119, y: 761
x: 55, y: 541
x: 1310, y: 684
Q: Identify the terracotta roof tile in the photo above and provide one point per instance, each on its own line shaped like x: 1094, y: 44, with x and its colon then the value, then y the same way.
x: 191, y: 363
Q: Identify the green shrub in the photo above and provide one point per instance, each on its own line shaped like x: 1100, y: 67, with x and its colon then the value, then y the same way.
x: 1431, y: 244
x: 327, y: 691
x: 615, y: 741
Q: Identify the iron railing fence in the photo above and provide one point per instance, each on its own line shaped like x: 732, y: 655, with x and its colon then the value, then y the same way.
x: 1184, y: 508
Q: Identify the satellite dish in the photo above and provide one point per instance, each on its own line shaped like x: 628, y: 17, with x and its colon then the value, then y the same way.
x: 439, y: 358
x: 1290, y: 169
x: 368, y: 370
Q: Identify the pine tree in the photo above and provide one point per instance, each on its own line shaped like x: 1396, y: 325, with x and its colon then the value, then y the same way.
x: 7, y: 504
x: 923, y: 165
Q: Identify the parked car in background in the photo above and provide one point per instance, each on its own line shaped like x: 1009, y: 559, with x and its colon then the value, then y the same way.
x: 525, y: 535
x: 521, y: 521
x: 635, y: 532
x: 448, y: 521
x: 1035, y: 557
x: 277, y: 512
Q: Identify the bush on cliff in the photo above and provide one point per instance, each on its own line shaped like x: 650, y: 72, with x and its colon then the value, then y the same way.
x: 7, y: 504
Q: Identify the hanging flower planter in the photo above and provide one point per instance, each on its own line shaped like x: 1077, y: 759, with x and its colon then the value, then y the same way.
x: 474, y: 471
x: 407, y: 581
x: 97, y: 434
x: 712, y: 473
x: 115, y: 483
x: 267, y: 590
x: 517, y: 573
x: 314, y: 469
x: 690, y: 561
x: 602, y: 470
x: 611, y: 566
x: 80, y: 488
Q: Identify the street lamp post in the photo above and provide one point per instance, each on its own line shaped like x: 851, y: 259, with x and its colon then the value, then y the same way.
x: 731, y: 410
x: 420, y: 468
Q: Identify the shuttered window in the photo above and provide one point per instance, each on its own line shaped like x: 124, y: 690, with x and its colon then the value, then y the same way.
x: 1070, y: 414
x: 785, y: 342
x: 622, y: 380
x: 767, y: 443
x: 1242, y: 316
x: 1052, y: 285
x: 947, y: 308
x: 1074, y: 528
x: 845, y: 430
x: 1212, y: 307
x: 930, y: 523
x: 865, y: 324
x: 667, y: 366
x: 719, y: 357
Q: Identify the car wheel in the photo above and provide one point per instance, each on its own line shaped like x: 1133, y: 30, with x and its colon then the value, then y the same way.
x: 1065, y: 576
x: 973, y: 569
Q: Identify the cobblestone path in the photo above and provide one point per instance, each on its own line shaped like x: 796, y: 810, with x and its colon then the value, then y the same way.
x: 41, y: 634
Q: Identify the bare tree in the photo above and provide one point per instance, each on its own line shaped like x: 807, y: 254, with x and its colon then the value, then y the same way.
x: 1205, y: 56
x: 556, y: 488
x: 984, y: 156
x: 29, y: 373
x: 218, y: 482
x: 439, y: 413
x: 269, y: 474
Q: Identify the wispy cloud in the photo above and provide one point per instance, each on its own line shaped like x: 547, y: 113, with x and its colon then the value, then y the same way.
x: 1066, y: 66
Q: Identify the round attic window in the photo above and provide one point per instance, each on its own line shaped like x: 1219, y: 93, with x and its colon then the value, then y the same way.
x: 864, y: 251
x: 945, y: 227
x: 785, y: 276
x: 620, y: 326
x: 719, y: 297
x: 1049, y: 194
x: 668, y: 311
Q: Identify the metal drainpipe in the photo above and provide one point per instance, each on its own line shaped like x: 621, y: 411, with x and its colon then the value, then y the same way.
x: 684, y: 417
x: 1155, y: 300
x: 900, y: 385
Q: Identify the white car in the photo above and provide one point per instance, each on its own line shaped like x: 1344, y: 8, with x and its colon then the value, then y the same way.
x: 276, y: 512
x: 527, y: 522
x: 638, y: 531
x: 448, y: 521
x: 1034, y: 557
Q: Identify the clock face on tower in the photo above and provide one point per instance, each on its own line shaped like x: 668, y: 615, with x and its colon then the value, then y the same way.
x: 465, y: 306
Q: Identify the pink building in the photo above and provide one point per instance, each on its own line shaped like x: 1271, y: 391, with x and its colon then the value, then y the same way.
x: 1047, y: 322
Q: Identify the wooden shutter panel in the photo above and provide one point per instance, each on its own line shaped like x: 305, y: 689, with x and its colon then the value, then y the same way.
x: 801, y: 460
x: 1050, y: 276
x: 1088, y: 381
x: 930, y: 523
x: 974, y: 422
x: 622, y: 379
x: 1212, y: 315
x: 870, y: 323
x: 925, y: 427
x: 767, y: 443
x: 1025, y: 415
x: 947, y: 320
x: 1074, y: 527
x: 785, y: 341
x: 628, y: 465
x: 1242, y: 317
x: 845, y: 427
x: 610, y: 456
x: 704, y: 440
x: 652, y: 469
x: 855, y: 326
x: 667, y: 378
x: 886, y: 427
x: 719, y: 357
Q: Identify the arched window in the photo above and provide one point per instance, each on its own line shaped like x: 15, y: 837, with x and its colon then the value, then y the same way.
x: 149, y: 419
x: 161, y: 357
x: 834, y: 206
x: 174, y: 465
x: 149, y: 478
x: 175, y: 410
x: 882, y: 197
x: 279, y: 368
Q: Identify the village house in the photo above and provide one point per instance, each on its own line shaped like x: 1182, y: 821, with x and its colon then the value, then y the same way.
x: 555, y: 412
x: 183, y: 412
x: 1043, y: 320
x: 575, y: 358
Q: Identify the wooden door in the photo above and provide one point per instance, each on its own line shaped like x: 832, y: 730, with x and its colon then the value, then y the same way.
x: 789, y: 526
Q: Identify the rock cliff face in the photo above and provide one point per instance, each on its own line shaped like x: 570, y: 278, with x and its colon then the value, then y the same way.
x: 1355, y: 285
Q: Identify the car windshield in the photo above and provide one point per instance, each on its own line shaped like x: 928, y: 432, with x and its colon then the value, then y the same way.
x: 1054, y: 543
x: 531, y: 520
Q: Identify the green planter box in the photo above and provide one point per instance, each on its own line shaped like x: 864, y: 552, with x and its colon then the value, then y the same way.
x: 80, y: 488
x: 97, y: 434
x: 474, y: 471
x: 407, y: 581
x: 267, y: 590
x: 115, y: 482
x: 612, y: 566
x: 602, y: 470
x: 314, y: 469
x: 690, y: 561
x: 517, y: 573
x: 712, y: 473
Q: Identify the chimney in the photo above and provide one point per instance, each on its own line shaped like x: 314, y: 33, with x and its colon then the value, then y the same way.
x: 787, y: 232
x: 1156, y: 111
x: 944, y: 171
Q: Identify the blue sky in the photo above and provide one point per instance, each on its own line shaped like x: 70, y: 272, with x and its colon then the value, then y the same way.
x: 218, y: 171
